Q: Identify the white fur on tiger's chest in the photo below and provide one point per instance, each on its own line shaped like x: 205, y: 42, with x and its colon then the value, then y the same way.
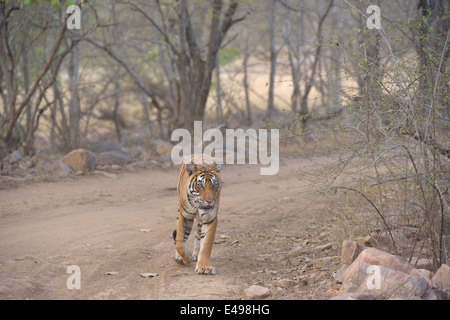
x: 206, y: 216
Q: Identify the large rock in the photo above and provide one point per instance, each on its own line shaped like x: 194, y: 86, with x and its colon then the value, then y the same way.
x: 441, y: 278
x: 80, y: 160
x: 385, y: 276
x: 256, y: 292
x: 119, y: 158
x: 423, y: 274
x: 380, y: 258
x: 441, y: 281
x: 350, y: 251
x: 383, y: 283
x: 422, y: 263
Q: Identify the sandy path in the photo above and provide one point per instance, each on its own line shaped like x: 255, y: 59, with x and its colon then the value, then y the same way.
x: 124, y: 226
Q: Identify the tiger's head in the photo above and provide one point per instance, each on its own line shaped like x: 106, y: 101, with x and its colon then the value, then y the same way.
x: 204, y: 184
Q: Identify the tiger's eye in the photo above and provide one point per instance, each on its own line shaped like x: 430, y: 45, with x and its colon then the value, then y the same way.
x: 214, y: 182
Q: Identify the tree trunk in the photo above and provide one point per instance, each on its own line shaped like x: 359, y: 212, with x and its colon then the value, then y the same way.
x: 196, y: 68
x: 219, y: 92
x: 74, y: 104
x: 116, y: 108
x: 294, y: 40
x: 8, y: 65
x: 304, y: 109
x: 115, y: 34
x: 433, y: 30
x: 245, y: 80
x: 273, y: 61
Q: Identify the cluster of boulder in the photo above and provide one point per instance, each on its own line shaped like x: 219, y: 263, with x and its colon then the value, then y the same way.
x: 15, y: 164
x: 364, y: 272
x: 102, y: 158
x: 368, y: 273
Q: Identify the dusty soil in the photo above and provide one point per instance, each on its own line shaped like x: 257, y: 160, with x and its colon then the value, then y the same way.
x: 116, y: 229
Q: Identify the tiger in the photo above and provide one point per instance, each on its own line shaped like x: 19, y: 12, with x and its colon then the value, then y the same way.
x: 198, y: 188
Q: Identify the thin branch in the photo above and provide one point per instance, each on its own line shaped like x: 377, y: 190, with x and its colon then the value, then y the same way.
x: 158, y: 28
x: 430, y: 142
x: 129, y: 69
x: 378, y: 211
x: 299, y: 8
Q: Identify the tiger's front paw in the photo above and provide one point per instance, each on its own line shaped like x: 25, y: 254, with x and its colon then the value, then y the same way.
x: 186, y: 261
x: 179, y: 260
x: 205, y: 269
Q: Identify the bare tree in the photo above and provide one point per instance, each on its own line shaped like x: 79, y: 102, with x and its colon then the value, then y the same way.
x: 434, y: 27
x: 74, y: 103
x: 322, y: 14
x: 245, y: 80
x: 14, y: 109
x: 273, y: 59
x: 193, y: 65
x: 293, y: 37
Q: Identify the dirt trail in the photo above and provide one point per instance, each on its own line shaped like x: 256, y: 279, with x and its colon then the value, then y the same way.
x: 124, y: 227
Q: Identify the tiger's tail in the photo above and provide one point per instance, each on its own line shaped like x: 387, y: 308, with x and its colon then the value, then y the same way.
x: 174, y: 236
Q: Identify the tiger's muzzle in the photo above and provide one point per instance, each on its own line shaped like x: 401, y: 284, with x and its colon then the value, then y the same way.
x: 207, y: 204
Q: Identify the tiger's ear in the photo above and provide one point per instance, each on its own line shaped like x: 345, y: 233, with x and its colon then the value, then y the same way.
x: 191, y: 168
x: 218, y: 167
